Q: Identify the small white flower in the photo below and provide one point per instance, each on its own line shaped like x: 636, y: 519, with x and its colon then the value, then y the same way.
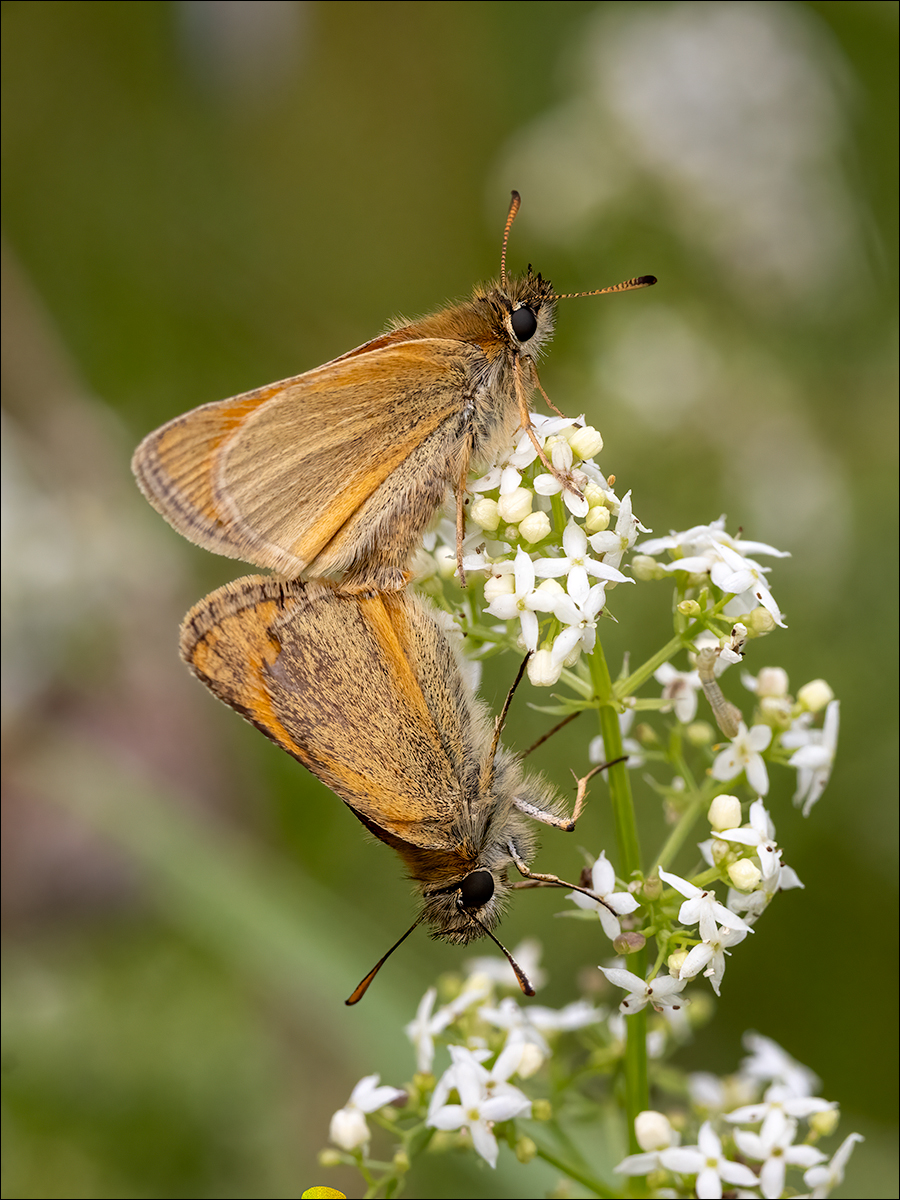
x: 348, y: 1125
x: 603, y: 883
x: 680, y: 688
x: 744, y: 754
x: 549, y: 485
x: 815, y: 759
x: 823, y: 1179
x: 480, y: 1106
x: 702, y: 907
x: 523, y: 602
x: 614, y: 544
x: 774, y: 1148
x: 760, y: 835
x: 709, y: 957
x: 769, y: 1063
x: 577, y: 564
x: 661, y: 992
x: 706, y: 1161
x: 578, y: 611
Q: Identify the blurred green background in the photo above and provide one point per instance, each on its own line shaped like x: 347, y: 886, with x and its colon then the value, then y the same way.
x: 200, y: 198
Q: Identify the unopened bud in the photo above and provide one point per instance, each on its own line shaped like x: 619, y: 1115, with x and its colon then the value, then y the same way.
x: 597, y: 519
x: 744, y: 875
x: 586, y: 441
x: 652, y: 1130
x: 815, y: 696
x: 534, y: 527
x: 485, y: 513
x: 629, y: 943
x: 525, y: 1150
x: 515, y: 505
x: 724, y: 813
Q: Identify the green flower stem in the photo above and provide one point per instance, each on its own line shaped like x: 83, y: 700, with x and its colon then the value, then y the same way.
x: 680, y: 833
x: 594, y: 1186
x: 637, y: 1094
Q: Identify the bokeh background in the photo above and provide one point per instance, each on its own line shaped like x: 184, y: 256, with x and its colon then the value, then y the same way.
x: 200, y: 198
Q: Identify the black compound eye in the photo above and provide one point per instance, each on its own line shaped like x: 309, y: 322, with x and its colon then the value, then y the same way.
x: 476, y: 889
x: 524, y: 323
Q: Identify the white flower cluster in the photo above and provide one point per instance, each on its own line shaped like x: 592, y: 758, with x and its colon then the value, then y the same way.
x: 719, y: 1160
x: 755, y: 874
x: 478, y: 1077
x: 785, y: 725
x: 561, y: 567
x: 707, y: 551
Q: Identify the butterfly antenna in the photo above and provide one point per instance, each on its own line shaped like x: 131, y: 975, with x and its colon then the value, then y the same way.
x: 628, y: 285
x: 363, y: 986
x: 487, y: 770
x: 524, y: 982
x: 510, y: 217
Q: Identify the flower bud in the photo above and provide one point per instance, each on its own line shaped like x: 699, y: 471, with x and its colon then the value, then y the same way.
x: 699, y: 733
x: 744, y: 875
x: 445, y: 560
x: 652, y: 888
x: 586, y: 441
x: 329, y: 1158
x: 645, y: 568
x: 597, y: 519
x: 400, y: 1162
x: 515, y: 505
x: 543, y: 670
x: 675, y: 962
x: 552, y: 586
x: 485, y: 513
x: 724, y: 813
x: 559, y: 452
x: 759, y: 622
x: 525, y: 1150
x: 594, y: 494
x: 652, y: 1131
x: 772, y: 681
x: 541, y: 1110
x: 720, y: 851
x: 531, y: 1061
x: 499, y: 585
x: 815, y: 696
x: 534, y: 527
x: 689, y: 608
x: 824, y: 1123
x: 348, y: 1129
x: 629, y: 943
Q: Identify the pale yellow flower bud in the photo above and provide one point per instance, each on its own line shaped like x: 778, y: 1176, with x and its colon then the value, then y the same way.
x: 516, y: 505
x: 744, y: 875
x: 586, y: 441
x: 534, y: 527
x: 815, y: 696
x: 485, y: 513
x: 652, y: 1130
x: 724, y: 813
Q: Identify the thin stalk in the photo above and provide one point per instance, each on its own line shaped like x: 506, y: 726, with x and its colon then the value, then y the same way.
x: 637, y: 1093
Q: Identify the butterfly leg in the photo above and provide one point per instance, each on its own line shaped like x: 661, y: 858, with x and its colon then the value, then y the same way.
x: 461, y: 510
x: 536, y: 879
x: 563, y: 477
